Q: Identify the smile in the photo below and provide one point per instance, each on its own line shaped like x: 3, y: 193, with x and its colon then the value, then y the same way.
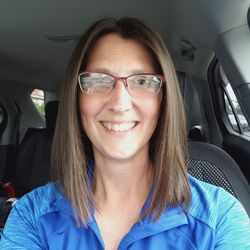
x: 119, y: 127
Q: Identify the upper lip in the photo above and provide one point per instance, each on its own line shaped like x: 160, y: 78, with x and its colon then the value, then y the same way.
x: 119, y: 122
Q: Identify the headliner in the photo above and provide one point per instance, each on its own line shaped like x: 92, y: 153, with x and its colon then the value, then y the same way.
x: 28, y: 57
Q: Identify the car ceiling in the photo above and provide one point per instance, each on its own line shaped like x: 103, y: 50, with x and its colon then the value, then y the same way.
x: 36, y: 44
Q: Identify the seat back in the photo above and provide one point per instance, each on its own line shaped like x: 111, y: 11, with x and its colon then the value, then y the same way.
x: 193, y: 108
x: 208, y: 162
x: 33, y: 159
x: 211, y: 164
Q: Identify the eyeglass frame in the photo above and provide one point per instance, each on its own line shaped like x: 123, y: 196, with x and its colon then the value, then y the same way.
x: 123, y: 78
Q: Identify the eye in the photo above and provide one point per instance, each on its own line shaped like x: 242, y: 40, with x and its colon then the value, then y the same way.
x: 140, y: 80
x: 99, y: 80
x: 107, y: 79
x: 96, y: 79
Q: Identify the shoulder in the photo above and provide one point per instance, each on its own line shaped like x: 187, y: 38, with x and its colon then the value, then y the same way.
x: 220, y: 211
x: 21, y: 229
x: 210, y: 202
x: 209, y: 198
x: 39, y: 201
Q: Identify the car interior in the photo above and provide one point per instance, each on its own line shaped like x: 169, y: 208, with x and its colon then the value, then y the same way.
x: 209, y: 42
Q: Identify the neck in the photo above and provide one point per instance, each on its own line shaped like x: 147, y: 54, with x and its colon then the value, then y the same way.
x: 116, y: 183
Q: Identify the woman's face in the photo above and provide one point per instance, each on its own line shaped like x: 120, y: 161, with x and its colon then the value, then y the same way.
x: 119, y: 125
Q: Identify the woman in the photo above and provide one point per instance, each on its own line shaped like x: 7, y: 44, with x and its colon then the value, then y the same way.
x: 119, y: 156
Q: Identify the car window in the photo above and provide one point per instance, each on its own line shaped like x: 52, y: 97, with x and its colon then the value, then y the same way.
x: 37, y: 97
x: 234, y: 111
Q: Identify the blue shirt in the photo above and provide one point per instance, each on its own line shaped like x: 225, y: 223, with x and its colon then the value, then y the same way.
x: 43, y: 219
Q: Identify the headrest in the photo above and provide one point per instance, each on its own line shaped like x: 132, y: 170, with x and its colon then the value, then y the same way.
x: 51, y: 110
x: 193, y: 107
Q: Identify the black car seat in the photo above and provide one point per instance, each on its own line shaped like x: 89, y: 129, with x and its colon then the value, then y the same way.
x: 33, y: 159
x: 193, y: 108
x: 211, y: 164
x: 208, y: 162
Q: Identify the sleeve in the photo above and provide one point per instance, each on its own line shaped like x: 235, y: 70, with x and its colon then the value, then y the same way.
x: 233, y: 225
x: 20, y: 231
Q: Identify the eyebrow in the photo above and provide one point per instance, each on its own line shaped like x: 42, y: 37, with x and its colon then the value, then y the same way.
x: 107, y: 71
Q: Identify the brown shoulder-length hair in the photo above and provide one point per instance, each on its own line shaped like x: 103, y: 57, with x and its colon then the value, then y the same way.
x: 72, y: 151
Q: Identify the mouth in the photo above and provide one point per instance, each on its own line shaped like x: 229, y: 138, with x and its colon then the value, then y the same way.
x: 119, y: 126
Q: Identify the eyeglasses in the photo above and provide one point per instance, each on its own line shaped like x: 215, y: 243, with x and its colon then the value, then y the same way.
x: 102, y: 84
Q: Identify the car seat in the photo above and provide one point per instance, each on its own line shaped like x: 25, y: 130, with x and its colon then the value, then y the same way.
x: 211, y: 164
x: 193, y: 108
x: 33, y: 159
x: 208, y: 162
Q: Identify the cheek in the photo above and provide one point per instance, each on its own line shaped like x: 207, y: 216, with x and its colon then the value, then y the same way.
x: 158, y: 104
x: 151, y: 109
x: 90, y: 107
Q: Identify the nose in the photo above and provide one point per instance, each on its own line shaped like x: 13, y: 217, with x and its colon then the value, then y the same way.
x: 120, y: 99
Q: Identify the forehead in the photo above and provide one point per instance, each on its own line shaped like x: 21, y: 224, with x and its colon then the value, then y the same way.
x: 120, y: 53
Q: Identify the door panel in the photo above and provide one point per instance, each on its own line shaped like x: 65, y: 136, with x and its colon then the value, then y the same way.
x: 239, y: 149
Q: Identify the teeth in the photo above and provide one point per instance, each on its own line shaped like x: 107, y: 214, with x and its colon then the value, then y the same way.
x: 119, y: 127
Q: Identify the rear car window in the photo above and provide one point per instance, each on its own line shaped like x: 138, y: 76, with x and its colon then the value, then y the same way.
x: 37, y: 97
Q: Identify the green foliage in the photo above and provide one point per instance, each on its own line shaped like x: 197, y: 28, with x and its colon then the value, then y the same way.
x: 39, y: 106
